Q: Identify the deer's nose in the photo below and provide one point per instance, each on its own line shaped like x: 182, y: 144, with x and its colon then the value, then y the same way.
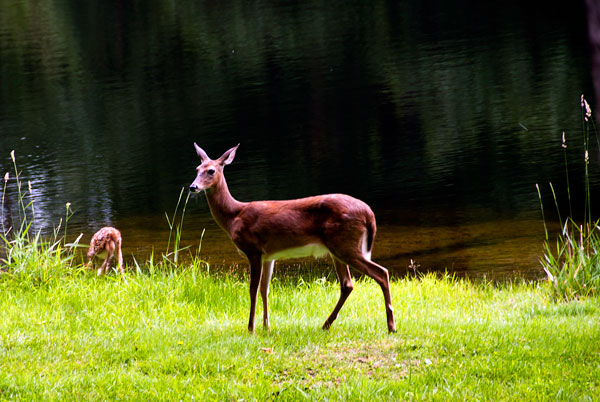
x: 193, y: 188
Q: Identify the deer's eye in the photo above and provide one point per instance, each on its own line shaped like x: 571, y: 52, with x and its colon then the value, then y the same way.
x: 210, y: 172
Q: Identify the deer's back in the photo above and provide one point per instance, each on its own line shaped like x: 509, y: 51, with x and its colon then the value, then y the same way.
x: 279, y: 225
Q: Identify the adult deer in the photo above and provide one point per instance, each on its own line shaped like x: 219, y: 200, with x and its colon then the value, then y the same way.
x: 265, y: 231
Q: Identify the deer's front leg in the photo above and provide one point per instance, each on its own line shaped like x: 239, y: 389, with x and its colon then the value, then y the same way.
x: 265, y: 280
x: 255, y: 274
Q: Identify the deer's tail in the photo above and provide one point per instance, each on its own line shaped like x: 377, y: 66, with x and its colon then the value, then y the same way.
x: 370, y: 235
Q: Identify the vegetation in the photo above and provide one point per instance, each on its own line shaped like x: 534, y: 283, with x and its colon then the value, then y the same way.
x: 24, y: 254
x: 181, y: 335
x: 572, y: 265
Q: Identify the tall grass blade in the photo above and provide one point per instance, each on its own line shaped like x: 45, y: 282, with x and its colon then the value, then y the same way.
x: 573, y: 270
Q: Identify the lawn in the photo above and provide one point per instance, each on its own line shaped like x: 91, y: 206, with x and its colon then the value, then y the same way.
x: 182, y: 335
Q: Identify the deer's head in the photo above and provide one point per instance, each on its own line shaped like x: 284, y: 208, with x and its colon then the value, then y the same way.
x: 210, y: 172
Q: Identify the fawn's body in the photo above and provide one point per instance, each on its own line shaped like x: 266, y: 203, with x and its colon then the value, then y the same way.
x: 104, y: 244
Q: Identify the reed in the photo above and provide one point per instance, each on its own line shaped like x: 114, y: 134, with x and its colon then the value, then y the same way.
x: 27, y: 257
x: 171, y: 257
x: 572, y: 262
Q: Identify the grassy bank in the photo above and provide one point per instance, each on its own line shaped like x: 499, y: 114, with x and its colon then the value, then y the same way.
x: 182, y: 336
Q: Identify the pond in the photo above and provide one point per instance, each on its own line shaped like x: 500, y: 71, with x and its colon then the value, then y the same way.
x: 443, y: 116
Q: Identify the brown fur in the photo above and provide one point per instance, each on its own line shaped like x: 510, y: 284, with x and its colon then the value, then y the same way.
x: 106, y: 241
x: 263, y: 230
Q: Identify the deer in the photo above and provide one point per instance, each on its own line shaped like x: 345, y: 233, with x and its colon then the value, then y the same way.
x: 104, y: 243
x: 265, y: 231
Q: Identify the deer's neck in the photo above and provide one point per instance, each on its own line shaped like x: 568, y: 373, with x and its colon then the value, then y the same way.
x: 223, y: 207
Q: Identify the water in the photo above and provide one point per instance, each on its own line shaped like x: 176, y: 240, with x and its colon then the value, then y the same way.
x: 442, y: 117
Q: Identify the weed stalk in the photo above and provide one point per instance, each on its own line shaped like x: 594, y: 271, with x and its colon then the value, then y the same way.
x: 573, y: 268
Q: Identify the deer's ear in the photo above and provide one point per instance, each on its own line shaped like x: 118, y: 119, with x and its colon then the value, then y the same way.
x: 203, y: 156
x: 228, y: 156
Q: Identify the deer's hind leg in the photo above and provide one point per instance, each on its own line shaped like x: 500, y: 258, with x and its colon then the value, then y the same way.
x: 357, y: 258
x: 382, y: 277
x: 110, y: 250
x: 119, y: 256
x: 346, y: 287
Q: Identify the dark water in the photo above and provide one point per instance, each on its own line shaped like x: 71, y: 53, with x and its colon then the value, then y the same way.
x: 441, y: 115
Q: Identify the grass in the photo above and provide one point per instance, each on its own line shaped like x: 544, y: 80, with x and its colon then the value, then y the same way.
x: 26, y: 255
x: 181, y: 335
x: 572, y: 264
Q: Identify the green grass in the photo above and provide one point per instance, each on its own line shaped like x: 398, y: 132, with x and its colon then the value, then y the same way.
x: 182, y: 336
x: 572, y: 264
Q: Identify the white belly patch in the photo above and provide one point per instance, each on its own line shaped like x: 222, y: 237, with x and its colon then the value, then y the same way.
x: 310, y: 250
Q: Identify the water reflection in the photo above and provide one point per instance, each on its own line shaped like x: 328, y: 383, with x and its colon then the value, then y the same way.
x: 491, y: 249
x: 442, y: 116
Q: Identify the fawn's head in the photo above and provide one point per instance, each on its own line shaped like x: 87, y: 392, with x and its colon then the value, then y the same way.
x: 210, y: 172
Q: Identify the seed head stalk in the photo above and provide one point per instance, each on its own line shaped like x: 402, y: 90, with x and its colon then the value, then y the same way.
x: 6, y: 178
x: 564, y: 147
x: 32, y: 201
x: 20, y: 195
x: 587, y: 114
x: 542, y: 209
